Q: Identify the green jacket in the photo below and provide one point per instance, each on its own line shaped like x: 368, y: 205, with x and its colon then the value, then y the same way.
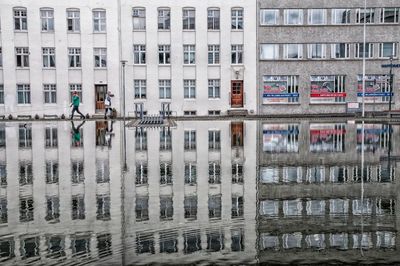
x: 75, y: 100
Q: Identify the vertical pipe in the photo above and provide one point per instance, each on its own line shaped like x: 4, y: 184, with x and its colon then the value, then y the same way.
x: 363, y: 64
x: 391, y: 83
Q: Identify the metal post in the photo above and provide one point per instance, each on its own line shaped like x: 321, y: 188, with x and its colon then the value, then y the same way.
x: 123, y: 110
x: 391, y: 83
x: 363, y: 65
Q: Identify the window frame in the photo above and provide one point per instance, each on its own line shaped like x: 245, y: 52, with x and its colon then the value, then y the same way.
x: 213, y: 54
x: 101, y: 54
x: 189, y: 54
x: 237, y: 53
x: 347, y: 50
x: 165, y: 51
x: 47, y: 19
x: 310, y: 51
x: 213, y: 19
x: 394, y: 49
x: 164, y: 19
x: 189, y: 17
x: 310, y: 14
x: 164, y: 87
x: 51, y: 91
x: 48, y: 57
x: 214, y: 86
x: 334, y: 16
x: 140, y: 88
x: 276, y: 51
x: 370, y: 11
x: 237, y: 18
x: 369, y: 52
x: 24, y: 91
x: 23, y: 53
x: 99, y: 20
x: 300, y: 16
x: 75, y: 87
x: 140, y: 17
x: 73, y: 16
x: 189, y: 89
x: 396, y: 15
x: 21, y: 18
x: 299, y: 51
x: 263, y: 14
x: 74, y: 56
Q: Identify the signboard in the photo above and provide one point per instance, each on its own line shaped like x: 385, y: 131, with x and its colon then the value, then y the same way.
x: 388, y: 65
x: 327, y: 137
x: 377, y: 89
x: 374, y: 136
x: 324, y: 90
x: 280, y: 138
x: 276, y: 90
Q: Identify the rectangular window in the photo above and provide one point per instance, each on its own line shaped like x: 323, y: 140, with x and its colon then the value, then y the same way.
x: 189, y: 113
x: 77, y: 169
x: 189, y: 54
x: 213, y: 88
x: 317, y: 16
x: 99, y: 21
x: 316, y: 51
x: 140, y: 89
x: 1, y: 94
x: 293, y: 51
x: 164, y: 19
x: 190, y: 173
x: 213, y: 18
x: 139, y: 54
x: 390, y: 15
x: 25, y: 141
x: 269, y: 51
x: 341, y: 16
x: 387, y: 50
x: 214, y: 209
x: 328, y: 137
x: 237, y: 211
x: 78, y: 89
x: 49, y: 57
x: 237, y: 173
x: 78, y: 208
x: 139, y: 18
x: 192, y: 238
x: 165, y: 88
x: 189, y: 87
x: 73, y: 20
x: 50, y: 93
x: 141, y: 176
x: 20, y: 19
x: 278, y: 138
x: 280, y: 89
x: 24, y: 93
x: 377, y: 88
x: 214, y: 140
x: 1, y: 57
x: 100, y: 57
x: 213, y: 54
x: 166, y: 173
x: 293, y: 16
x: 165, y: 140
x: 269, y: 17
x: 47, y: 18
x: 189, y: 18
x: 164, y: 54
x: 166, y: 213
x: 141, y: 139
x: 190, y: 140
x: 214, y: 173
x: 340, y: 50
x: 237, y: 54
x: 327, y: 89
x: 237, y: 18
x: 51, y: 172
x: 369, y: 50
x: 26, y: 209
x: 368, y: 16
x: 74, y: 57
x: 51, y: 137
x: 22, y: 56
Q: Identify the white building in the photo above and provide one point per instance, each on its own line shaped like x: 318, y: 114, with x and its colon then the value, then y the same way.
x: 198, y: 56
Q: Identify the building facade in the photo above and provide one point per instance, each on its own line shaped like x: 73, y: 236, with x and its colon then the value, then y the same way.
x: 194, y: 58
x: 310, y: 55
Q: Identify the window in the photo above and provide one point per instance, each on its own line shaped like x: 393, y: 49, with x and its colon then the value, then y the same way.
x: 269, y: 51
x: 102, y: 171
x: 166, y: 209
x: 237, y: 18
x: 340, y: 50
x: 77, y: 172
x: 51, y: 172
x: 73, y: 21
x: 293, y: 16
x: 189, y: 18
x: 213, y: 18
x: 377, y: 89
x: 190, y: 140
x: 190, y: 173
x: 165, y: 140
x: 141, y: 177
x: 140, y: 89
x: 51, y: 137
x: 214, y: 140
x: 317, y: 16
x: 189, y: 113
x: 22, y: 56
x: 213, y: 54
x: 139, y: 54
x: 78, y: 207
x: 25, y: 141
x: 99, y: 21
x: 237, y: 173
x: 1, y: 94
x: 20, y: 19
x: 100, y: 57
x: 190, y: 205
x: 141, y: 139
x: 237, y: 54
x: 164, y: 54
x: 49, y: 57
x: 77, y: 88
x: 341, y: 16
x: 74, y: 57
x: 369, y: 50
x: 165, y: 88
x: 26, y: 209
x: 139, y: 18
x: 165, y: 173
x: 103, y: 209
x: 390, y: 15
x: 280, y: 89
x: 1, y: 57
x: 214, y: 173
x: 47, y: 18
x: 24, y: 93
x: 387, y: 50
x: 189, y: 54
x: 164, y: 18
x: 327, y: 89
x: 237, y: 206
x: 213, y: 88
x: 269, y: 17
x: 214, y: 206
x: 293, y: 51
x: 189, y: 87
x: 50, y: 93
x: 53, y: 208
x: 368, y: 16
x: 316, y: 51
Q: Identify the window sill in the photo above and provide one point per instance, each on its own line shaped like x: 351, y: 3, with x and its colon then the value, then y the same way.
x: 74, y: 68
x: 100, y: 68
x: 164, y: 99
x: 188, y: 65
x: 211, y: 30
x: 189, y: 30
x: 48, y: 31
x: 237, y: 65
x: 49, y: 68
x: 164, y: 65
x: 189, y: 99
x: 20, y: 31
x: 140, y: 64
x: 139, y: 99
x: 74, y: 32
x: 237, y: 30
x: 214, y: 99
x: 99, y: 32
x: 139, y: 30
x: 164, y: 30
x: 22, y: 68
x: 24, y: 104
x: 216, y: 65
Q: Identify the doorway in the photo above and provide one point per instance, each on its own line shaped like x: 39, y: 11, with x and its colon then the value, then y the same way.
x: 237, y: 93
x: 100, y: 94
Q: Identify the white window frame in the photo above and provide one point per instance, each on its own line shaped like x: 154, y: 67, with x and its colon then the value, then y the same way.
x: 100, y: 57
x: 23, y: 54
x: 370, y: 11
x: 47, y: 19
x: 164, y: 19
x: 311, y: 16
x: 270, y: 47
x: 396, y: 14
x: 139, y: 18
x: 164, y: 86
x: 49, y: 93
x: 237, y: 52
x: 74, y: 57
x: 359, y: 50
x: 190, y: 139
x: 99, y: 21
x: 213, y: 54
x: 139, y: 54
x: 189, y: 54
x: 394, y: 49
x: 347, y: 50
x: 189, y: 89
x: 20, y: 14
x: 287, y: 16
x: 213, y: 18
x: 165, y: 52
x: 73, y: 18
x: 190, y: 173
x: 49, y: 57
x: 24, y: 90
x: 264, y: 14
x: 188, y: 18
x: 237, y: 18
x: 214, y: 88
x: 214, y: 139
x: 335, y: 18
x: 140, y: 86
x: 299, y: 51
x: 314, y: 45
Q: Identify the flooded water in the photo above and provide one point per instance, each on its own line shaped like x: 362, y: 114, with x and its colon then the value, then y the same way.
x: 199, y: 192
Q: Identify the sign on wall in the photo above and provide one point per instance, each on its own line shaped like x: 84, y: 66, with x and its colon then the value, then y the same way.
x: 280, y: 89
x: 280, y: 138
x: 377, y: 89
x: 327, y: 89
x: 327, y: 137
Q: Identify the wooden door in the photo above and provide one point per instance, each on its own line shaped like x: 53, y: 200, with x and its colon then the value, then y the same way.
x: 237, y: 134
x: 100, y: 92
x: 237, y: 93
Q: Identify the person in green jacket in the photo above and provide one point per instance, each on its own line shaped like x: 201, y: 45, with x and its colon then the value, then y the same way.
x: 75, y: 105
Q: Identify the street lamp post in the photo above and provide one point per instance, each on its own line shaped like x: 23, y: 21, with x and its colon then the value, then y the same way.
x: 390, y: 83
x: 364, y: 50
x: 123, y: 62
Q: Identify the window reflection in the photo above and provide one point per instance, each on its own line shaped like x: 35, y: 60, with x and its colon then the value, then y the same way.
x: 7, y: 249
x: 191, y: 241
x: 103, y: 207
x: 168, y: 242
x: 77, y: 173
x: 25, y: 173
x: 80, y: 245
x: 166, y: 207
x: 215, y: 241
x: 144, y: 243
x: 55, y: 246
x: 237, y: 238
x: 25, y: 136
x: 53, y: 208
x: 142, y: 208
x: 78, y: 207
x: 26, y: 209
x: 29, y: 247
x: 190, y: 204
x: 104, y: 245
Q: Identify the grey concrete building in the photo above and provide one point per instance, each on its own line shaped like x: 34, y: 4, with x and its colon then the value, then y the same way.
x: 310, y: 55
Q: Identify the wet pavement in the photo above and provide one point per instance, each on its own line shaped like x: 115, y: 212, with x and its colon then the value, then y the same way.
x: 199, y: 192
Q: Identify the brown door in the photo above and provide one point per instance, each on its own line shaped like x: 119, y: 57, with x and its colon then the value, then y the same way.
x: 237, y: 93
x: 237, y: 134
x: 100, y: 92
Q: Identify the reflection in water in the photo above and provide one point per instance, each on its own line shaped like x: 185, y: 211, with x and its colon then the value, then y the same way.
x: 224, y: 192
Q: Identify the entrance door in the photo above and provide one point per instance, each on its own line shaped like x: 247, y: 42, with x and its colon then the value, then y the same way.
x: 100, y: 94
x: 237, y: 93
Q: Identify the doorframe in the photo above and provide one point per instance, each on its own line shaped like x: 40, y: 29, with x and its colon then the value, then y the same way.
x: 242, y: 90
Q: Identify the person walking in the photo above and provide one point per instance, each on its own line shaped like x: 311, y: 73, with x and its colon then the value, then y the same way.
x: 107, y: 104
x: 75, y: 105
